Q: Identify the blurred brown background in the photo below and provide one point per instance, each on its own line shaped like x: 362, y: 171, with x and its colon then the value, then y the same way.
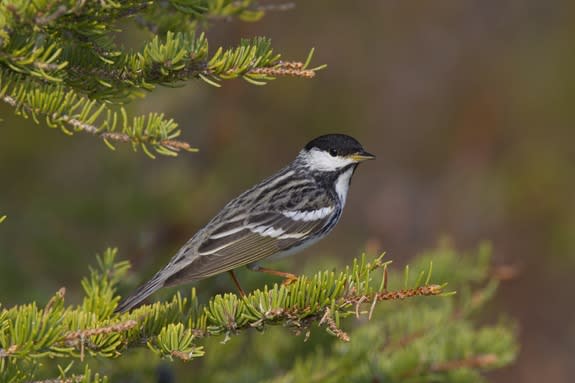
x: 467, y: 104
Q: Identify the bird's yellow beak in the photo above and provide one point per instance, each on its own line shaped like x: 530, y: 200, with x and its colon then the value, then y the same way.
x: 362, y: 156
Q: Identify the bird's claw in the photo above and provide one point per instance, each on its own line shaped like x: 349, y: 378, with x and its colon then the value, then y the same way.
x: 289, y: 280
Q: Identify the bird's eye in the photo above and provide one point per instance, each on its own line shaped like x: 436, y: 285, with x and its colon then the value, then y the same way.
x: 333, y: 152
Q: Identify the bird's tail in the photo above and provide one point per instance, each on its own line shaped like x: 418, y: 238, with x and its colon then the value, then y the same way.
x: 148, y: 288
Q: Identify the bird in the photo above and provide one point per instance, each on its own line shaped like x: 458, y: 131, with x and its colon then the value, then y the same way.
x: 280, y: 216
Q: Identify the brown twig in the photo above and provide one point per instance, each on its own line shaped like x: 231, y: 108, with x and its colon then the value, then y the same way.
x: 73, y: 336
x: 58, y: 296
x: 328, y: 319
x: 397, y: 295
x: 295, y: 65
x: 279, y: 71
x: 43, y: 20
x: 79, y: 337
x: 477, y: 361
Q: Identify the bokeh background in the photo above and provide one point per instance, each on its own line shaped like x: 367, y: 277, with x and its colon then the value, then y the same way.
x: 467, y: 104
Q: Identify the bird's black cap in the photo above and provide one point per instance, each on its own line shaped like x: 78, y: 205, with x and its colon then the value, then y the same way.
x: 338, y: 144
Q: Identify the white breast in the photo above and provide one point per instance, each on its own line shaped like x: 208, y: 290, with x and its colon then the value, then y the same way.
x: 342, y: 185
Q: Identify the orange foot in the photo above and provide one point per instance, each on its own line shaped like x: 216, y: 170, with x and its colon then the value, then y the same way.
x: 289, y: 280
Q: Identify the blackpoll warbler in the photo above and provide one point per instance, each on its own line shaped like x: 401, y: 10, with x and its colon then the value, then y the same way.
x: 280, y: 216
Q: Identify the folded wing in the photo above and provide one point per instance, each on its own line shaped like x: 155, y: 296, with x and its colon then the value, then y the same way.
x: 255, y: 237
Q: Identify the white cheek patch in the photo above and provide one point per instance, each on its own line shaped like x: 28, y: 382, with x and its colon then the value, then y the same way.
x: 306, y: 216
x: 319, y: 160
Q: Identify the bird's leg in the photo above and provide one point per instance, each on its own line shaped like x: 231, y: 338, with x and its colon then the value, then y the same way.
x: 289, y: 278
x: 237, y: 283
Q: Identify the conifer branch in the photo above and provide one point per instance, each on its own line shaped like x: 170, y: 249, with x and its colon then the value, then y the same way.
x: 52, y: 104
x: 60, y: 62
x: 172, y: 329
x: 180, y: 57
x: 175, y: 328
